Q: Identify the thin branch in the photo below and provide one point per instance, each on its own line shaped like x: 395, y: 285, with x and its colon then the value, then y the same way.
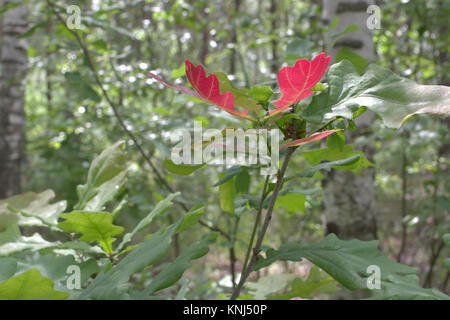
x: 428, y: 283
x: 255, y: 226
x: 257, y: 248
x: 233, y: 252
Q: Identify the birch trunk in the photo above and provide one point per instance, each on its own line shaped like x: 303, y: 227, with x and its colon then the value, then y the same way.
x: 13, y: 60
x: 348, y: 199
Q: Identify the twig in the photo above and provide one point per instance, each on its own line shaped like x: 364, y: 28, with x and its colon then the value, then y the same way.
x: 119, y: 117
x: 433, y: 258
x: 265, y: 225
x: 255, y: 226
x: 233, y: 252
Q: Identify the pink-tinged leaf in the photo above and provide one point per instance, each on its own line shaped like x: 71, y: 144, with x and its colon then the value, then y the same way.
x: 296, y: 82
x: 314, y: 137
x: 208, y: 88
x: 176, y: 87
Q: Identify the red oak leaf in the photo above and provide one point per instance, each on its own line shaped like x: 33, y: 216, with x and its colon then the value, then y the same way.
x: 314, y: 137
x: 296, y: 82
x: 207, y: 89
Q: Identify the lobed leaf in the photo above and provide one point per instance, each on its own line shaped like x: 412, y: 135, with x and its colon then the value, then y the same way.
x: 12, y: 241
x: 318, y: 282
x: 173, y: 271
x: 144, y: 255
x: 94, y: 227
x: 181, y: 169
x: 106, y: 178
x: 347, y: 262
x: 296, y: 82
x: 390, y: 96
x: 34, y: 209
x: 315, y: 157
x: 160, y: 208
x: 30, y: 285
x: 308, y: 173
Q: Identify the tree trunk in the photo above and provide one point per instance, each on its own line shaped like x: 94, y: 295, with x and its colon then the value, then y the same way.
x: 350, y: 12
x: 13, y: 59
x: 233, y: 42
x: 274, y: 20
x: 348, y: 199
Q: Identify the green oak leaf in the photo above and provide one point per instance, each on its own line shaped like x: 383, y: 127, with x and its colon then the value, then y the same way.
x: 106, y: 178
x: 94, y: 227
x: 230, y: 173
x: 242, y: 181
x: 12, y: 241
x: 316, y: 110
x: 406, y: 288
x: 152, y: 250
x: 180, y: 169
x: 308, y: 173
x: 359, y: 62
x: 347, y: 261
x: 55, y: 267
x: 30, y: 285
x: 261, y: 95
x: 267, y: 285
x: 34, y: 209
x: 174, y: 270
x: 292, y: 202
x: 227, y: 194
x: 316, y: 283
x: 390, y: 96
x: 160, y: 208
x: 191, y: 218
x: 315, y: 157
x: 319, y: 87
x: 336, y: 141
x: 8, y: 267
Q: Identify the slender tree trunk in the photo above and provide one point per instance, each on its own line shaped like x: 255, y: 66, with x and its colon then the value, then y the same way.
x: 351, y: 12
x: 349, y: 199
x: 204, y: 35
x: 233, y: 42
x: 13, y: 59
x: 274, y: 18
x: 49, y: 70
x: 205, y: 44
x: 256, y: 72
